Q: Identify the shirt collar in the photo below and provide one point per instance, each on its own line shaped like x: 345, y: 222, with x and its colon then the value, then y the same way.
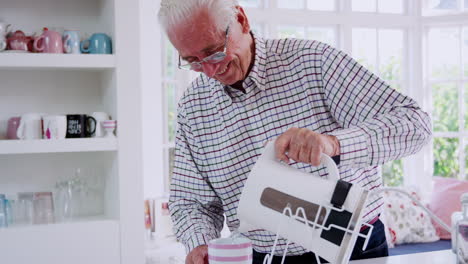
x: 257, y: 73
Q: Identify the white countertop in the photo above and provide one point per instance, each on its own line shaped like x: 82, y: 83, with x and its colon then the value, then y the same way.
x: 168, y: 251
x: 433, y: 257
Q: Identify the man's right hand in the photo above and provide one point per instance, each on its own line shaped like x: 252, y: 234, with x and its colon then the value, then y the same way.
x: 198, y: 255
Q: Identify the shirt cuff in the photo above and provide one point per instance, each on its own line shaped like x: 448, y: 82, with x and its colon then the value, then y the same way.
x: 353, y: 147
x: 196, y: 240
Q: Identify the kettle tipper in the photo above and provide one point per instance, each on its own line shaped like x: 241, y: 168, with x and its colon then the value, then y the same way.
x: 322, y: 215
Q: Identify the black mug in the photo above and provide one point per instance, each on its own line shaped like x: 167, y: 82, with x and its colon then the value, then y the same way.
x: 80, y: 126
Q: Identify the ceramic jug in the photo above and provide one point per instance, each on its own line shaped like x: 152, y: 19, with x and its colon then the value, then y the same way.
x: 19, y: 41
x: 49, y: 42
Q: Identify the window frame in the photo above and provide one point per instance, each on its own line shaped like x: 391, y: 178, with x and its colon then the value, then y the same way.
x: 461, y: 83
x: 269, y: 17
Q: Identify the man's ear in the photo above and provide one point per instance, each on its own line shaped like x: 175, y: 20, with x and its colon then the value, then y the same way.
x: 242, y: 19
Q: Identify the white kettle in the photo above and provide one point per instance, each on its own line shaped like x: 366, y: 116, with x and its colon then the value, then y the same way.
x: 333, y: 208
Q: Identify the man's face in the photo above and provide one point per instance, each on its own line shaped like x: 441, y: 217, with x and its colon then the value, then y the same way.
x: 199, y: 38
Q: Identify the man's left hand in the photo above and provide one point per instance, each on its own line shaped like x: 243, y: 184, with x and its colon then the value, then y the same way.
x: 305, y: 145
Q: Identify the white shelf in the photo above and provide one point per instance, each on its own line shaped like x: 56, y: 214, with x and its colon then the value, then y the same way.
x: 93, y: 242
x: 56, y: 61
x: 56, y: 146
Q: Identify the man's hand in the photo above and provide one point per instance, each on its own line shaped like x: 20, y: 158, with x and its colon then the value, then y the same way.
x: 198, y: 255
x: 305, y: 145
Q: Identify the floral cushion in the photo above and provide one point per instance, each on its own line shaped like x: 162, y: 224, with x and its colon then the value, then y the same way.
x: 406, y: 222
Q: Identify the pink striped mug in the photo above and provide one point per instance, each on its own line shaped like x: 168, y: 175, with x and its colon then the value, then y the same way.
x: 231, y: 250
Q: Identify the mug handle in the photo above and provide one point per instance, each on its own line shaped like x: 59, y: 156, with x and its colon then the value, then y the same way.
x: 90, y: 133
x: 3, y: 44
x: 36, y: 42
x: 20, y: 130
x: 66, y: 44
x: 83, y: 49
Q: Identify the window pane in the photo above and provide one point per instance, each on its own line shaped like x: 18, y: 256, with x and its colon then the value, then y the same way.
x: 442, y: 4
x: 169, y: 66
x: 444, y: 53
x: 170, y: 160
x: 391, y: 6
x: 466, y: 108
x: 466, y: 162
x: 291, y: 32
x: 445, y: 112
x: 391, y: 54
x: 258, y: 29
x: 364, y: 5
x: 292, y: 4
x: 365, y: 47
x: 465, y: 49
x: 393, y: 173
x: 397, y: 86
x: 170, y: 90
x: 446, y: 157
x: 249, y: 3
x: 327, y: 5
x: 324, y: 34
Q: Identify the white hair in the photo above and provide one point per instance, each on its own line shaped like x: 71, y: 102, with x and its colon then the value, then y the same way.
x: 176, y: 12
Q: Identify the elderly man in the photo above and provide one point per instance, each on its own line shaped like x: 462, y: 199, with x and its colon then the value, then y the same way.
x: 309, y: 96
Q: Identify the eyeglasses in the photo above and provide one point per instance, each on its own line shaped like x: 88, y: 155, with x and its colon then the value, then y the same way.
x: 212, y: 59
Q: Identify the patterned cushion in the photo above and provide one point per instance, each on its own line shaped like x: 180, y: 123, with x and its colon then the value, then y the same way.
x: 406, y: 222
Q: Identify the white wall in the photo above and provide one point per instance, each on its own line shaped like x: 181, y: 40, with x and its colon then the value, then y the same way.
x: 153, y: 160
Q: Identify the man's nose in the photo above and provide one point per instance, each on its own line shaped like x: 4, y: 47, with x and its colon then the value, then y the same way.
x: 210, y: 69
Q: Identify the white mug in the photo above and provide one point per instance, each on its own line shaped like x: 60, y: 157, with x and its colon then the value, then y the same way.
x: 99, y: 116
x: 54, y: 126
x: 234, y: 249
x: 30, y: 126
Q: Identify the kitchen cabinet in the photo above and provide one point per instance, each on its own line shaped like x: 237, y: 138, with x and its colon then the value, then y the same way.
x: 75, y: 84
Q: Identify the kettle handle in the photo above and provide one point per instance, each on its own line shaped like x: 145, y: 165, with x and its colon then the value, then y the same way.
x: 333, y: 172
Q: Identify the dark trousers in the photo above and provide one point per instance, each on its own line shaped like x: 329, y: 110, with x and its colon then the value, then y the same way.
x: 376, y: 248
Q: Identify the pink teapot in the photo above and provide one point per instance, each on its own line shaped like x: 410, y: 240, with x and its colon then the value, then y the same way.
x: 19, y: 41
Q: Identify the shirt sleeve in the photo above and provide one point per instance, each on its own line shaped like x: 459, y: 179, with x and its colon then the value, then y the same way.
x: 378, y: 124
x: 196, y: 210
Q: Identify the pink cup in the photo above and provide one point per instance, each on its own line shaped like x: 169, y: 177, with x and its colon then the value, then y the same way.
x: 49, y: 42
x: 234, y: 250
x: 109, y: 126
x: 13, y: 124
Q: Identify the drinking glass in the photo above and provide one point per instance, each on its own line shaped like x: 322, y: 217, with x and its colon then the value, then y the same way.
x: 24, y: 208
x: 43, y: 208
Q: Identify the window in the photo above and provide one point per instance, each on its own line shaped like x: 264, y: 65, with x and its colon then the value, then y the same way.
x: 321, y: 5
x: 434, y: 7
x: 448, y: 83
x: 381, y: 51
x: 174, y: 83
x: 380, y: 6
x: 324, y: 34
x: 250, y: 3
x: 318, y: 5
x: 382, y: 47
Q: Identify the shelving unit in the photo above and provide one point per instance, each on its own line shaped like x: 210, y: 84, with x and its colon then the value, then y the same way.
x: 75, y: 84
x: 56, y: 61
x: 56, y: 146
x: 62, y: 243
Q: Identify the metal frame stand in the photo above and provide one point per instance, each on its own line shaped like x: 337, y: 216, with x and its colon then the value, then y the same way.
x: 313, y: 228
